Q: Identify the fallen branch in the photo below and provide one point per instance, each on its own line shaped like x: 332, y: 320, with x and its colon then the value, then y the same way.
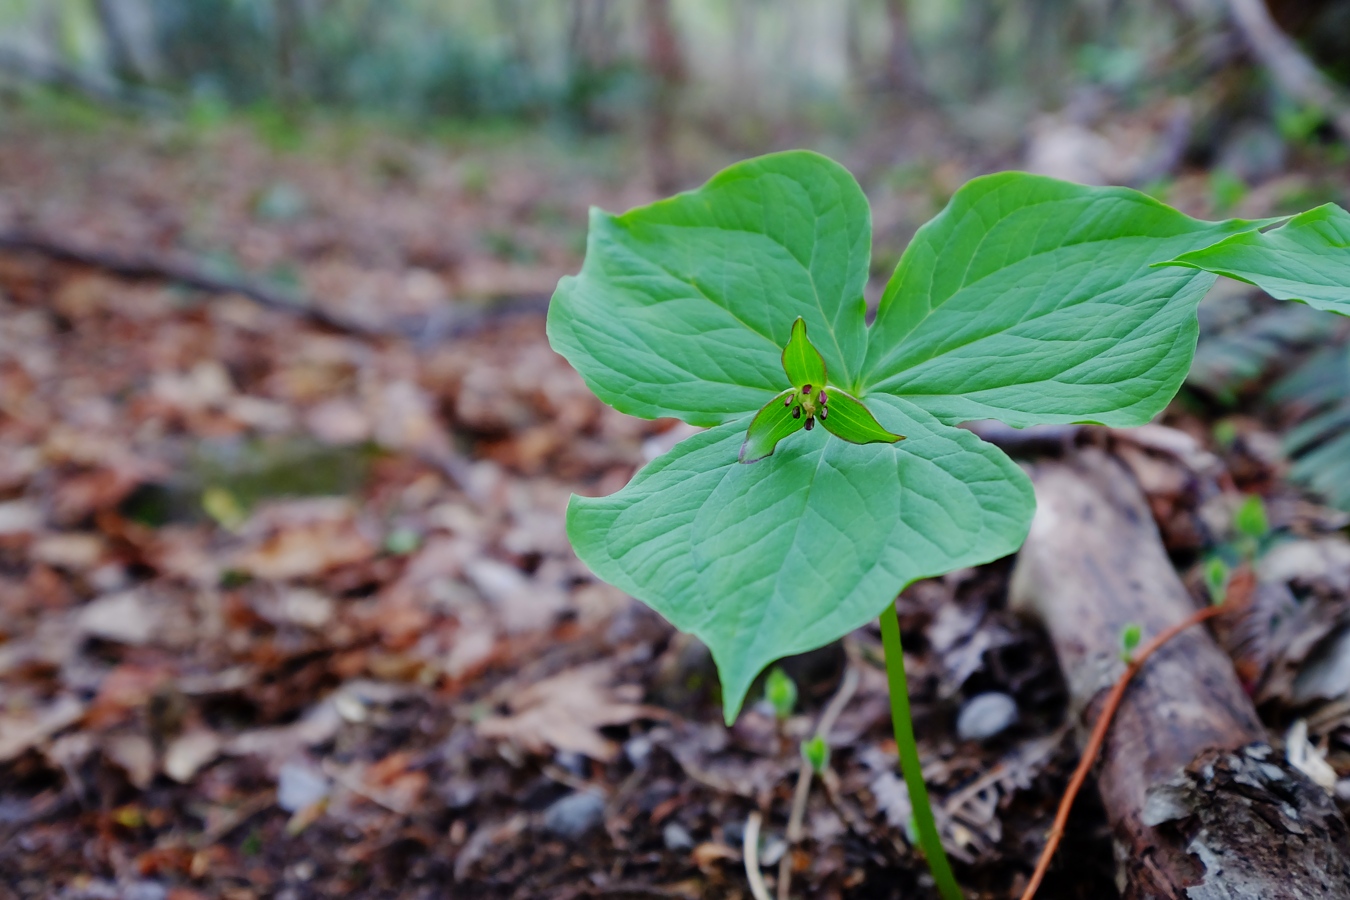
x: 442, y: 325
x: 1199, y: 805
x: 1292, y: 71
x: 179, y: 271
x: 1094, y: 744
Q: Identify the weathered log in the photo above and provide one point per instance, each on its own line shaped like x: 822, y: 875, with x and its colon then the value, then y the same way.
x: 1199, y: 805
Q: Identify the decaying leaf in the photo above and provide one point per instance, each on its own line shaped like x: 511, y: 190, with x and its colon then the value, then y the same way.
x: 566, y: 712
x: 19, y: 733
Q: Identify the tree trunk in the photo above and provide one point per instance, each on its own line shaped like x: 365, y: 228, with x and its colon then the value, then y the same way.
x: 903, y: 76
x: 665, y: 66
x: 1200, y: 806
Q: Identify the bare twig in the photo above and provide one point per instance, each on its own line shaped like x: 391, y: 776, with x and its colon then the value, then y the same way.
x: 1292, y: 71
x: 750, y: 847
x: 1094, y: 744
x: 847, y: 688
x: 438, y: 326
x: 180, y: 271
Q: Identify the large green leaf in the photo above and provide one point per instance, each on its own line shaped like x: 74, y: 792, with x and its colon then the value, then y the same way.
x: 682, y: 308
x: 1307, y: 259
x: 1028, y: 300
x: 1032, y: 300
x: 798, y: 550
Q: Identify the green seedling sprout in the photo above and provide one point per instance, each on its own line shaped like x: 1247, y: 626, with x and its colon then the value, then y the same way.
x: 1130, y: 636
x: 1250, y: 519
x: 781, y: 692
x: 817, y: 754
x: 1216, y: 578
x: 738, y: 308
x: 402, y: 541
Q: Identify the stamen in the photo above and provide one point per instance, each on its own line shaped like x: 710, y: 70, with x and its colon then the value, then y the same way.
x: 796, y: 412
x: 823, y: 413
x: 787, y: 401
x: 810, y: 423
x: 806, y: 390
x: 822, y: 397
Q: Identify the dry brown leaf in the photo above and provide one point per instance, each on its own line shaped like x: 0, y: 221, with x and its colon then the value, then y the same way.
x: 307, y: 547
x: 189, y: 753
x: 19, y: 733
x: 567, y: 711
x: 126, y: 617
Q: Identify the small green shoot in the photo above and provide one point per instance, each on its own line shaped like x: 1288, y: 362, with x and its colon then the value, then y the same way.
x: 1216, y: 579
x: 223, y: 507
x: 817, y: 754
x: 1250, y: 519
x: 1225, y: 433
x: 1130, y: 637
x: 402, y: 541
x: 781, y: 692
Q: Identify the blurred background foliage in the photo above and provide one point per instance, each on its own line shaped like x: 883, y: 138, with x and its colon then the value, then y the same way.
x: 592, y: 63
x: 1170, y: 96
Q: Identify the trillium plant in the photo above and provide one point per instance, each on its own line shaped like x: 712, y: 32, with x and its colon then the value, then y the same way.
x: 832, y: 472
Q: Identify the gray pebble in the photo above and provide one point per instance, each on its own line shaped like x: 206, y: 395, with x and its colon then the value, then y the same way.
x: 144, y: 890
x: 299, y: 786
x: 985, y: 715
x: 677, y: 837
x: 638, y: 749
x: 575, y: 815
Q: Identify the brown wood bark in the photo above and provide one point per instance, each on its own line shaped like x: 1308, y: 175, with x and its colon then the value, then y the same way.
x: 1199, y: 805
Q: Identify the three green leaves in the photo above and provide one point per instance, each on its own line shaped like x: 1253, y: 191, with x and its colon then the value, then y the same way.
x: 1027, y: 300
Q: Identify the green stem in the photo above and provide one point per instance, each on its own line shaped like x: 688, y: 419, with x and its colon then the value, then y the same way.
x: 924, y: 823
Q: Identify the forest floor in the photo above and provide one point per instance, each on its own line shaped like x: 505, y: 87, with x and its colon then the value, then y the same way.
x: 287, y: 608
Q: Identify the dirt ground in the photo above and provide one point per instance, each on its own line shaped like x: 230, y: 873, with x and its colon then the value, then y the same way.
x: 287, y: 609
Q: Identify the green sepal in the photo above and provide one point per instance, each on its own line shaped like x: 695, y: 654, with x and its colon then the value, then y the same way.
x: 771, y: 424
x: 801, y: 360
x: 846, y: 418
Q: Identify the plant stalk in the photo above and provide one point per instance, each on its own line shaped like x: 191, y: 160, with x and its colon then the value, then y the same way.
x: 924, y: 823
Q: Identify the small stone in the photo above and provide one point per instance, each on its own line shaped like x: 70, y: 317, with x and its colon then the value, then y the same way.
x: 986, y: 715
x: 771, y: 850
x: 575, y: 815
x: 571, y: 762
x: 144, y: 890
x: 299, y: 787
x: 638, y: 749
x: 677, y: 837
